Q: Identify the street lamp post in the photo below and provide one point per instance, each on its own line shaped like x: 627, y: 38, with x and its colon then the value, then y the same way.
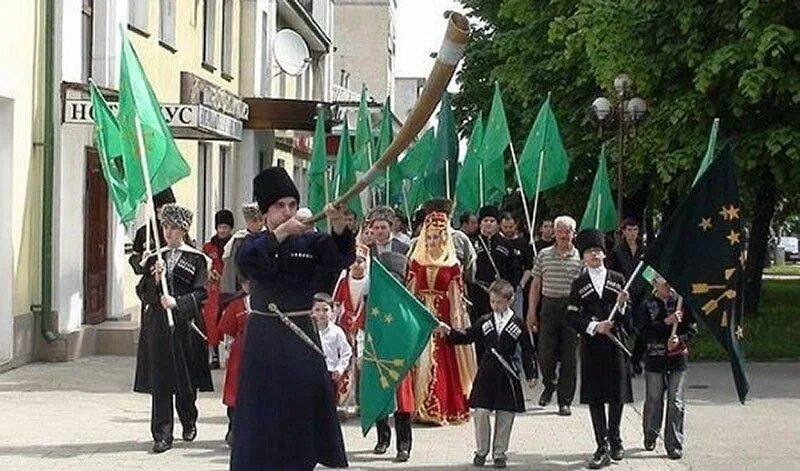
x: 626, y: 112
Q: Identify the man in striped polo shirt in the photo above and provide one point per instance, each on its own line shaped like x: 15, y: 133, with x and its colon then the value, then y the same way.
x: 554, y: 270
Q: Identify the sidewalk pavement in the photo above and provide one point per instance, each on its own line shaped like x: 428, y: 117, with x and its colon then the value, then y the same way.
x: 83, y: 416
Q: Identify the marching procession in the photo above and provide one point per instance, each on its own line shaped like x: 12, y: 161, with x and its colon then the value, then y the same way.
x: 295, y: 324
x: 400, y: 234
x: 331, y: 312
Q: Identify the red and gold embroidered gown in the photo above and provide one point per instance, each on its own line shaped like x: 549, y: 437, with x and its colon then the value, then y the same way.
x: 444, y: 372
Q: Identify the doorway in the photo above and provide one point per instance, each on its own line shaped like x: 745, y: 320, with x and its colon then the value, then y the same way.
x: 95, y: 241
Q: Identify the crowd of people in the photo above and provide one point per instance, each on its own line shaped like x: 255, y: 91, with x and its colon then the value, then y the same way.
x: 289, y: 301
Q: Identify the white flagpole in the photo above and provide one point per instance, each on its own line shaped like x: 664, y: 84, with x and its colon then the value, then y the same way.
x: 597, y: 216
x: 149, y: 189
x: 538, y: 182
x: 147, y: 228
x: 447, y: 177
x: 405, y: 202
x: 522, y: 194
x: 480, y: 182
x: 388, y: 196
x: 536, y: 198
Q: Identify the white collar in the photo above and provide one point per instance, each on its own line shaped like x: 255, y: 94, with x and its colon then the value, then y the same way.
x: 503, y: 315
x: 324, y: 329
x: 598, y: 278
x: 501, y: 318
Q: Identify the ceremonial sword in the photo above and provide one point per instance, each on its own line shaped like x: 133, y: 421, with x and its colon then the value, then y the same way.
x: 293, y: 327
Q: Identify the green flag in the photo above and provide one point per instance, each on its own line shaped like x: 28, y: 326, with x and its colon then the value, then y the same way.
x: 600, y: 211
x: 137, y: 99
x: 416, y: 158
x: 383, y: 139
x: 364, y: 152
x: 109, y: 146
x: 469, y: 184
x: 493, y: 146
x: 648, y: 273
x: 710, y: 150
x: 417, y: 194
x: 397, y: 328
x: 443, y: 164
x: 318, y: 191
x: 345, y: 175
x: 699, y: 251
x: 391, y: 183
x: 543, y: 149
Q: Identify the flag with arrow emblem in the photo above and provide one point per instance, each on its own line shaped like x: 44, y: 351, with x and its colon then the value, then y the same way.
x: 699, y: 251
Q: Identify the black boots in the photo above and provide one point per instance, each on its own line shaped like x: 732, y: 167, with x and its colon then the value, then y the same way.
x: 600, y: 459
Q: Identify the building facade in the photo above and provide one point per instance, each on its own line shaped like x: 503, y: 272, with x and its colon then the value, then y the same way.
x: 208, y: 62
x: 21, y: 154
x: 364, y: 35
x: 283, y: 102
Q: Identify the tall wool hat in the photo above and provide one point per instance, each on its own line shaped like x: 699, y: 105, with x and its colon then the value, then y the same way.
x: 489, y: 212
x: 271, y: 185
x: 250, y: 211
x: 163, y: 197
x: 590, y: 238
x: 223, y: 216
x: 438, y: 205
x: 176, y: 216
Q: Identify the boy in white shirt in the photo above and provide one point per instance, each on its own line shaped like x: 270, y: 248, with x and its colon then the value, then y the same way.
x: 334, y: 342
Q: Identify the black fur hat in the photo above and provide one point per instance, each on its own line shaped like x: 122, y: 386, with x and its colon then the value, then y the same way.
x: 271, y: 185
x: 590, y: 238
x: 489, y: 212
x: 223, y: 216
x: 163, y: 197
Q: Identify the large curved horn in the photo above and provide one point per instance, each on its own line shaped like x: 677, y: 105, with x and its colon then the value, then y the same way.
x: 450, y: 53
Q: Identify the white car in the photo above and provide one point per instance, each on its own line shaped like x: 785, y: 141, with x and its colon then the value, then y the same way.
x: 790, y: 247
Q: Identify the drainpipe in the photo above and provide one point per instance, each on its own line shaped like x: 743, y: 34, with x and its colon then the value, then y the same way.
x: 47, y: 175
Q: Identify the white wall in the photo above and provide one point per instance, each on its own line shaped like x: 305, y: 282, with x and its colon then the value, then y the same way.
x: 6, y: 253
x: 68, y: 177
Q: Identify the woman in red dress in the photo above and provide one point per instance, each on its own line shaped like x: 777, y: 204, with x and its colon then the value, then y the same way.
x: 350, y: 293
x: 444, y: 372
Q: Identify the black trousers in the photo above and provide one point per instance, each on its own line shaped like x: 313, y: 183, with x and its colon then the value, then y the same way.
x: 606, y: 431
x: 402, y: 426
x: 162, y: 416
x: 231, y: 412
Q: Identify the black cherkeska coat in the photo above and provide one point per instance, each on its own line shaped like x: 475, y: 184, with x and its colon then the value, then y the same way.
x: 285, y: 413
x: 174, y: 363
x: 604, y: 372
x: 494, y: 387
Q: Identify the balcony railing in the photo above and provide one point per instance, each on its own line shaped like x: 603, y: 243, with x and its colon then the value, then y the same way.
x: 340, y: 93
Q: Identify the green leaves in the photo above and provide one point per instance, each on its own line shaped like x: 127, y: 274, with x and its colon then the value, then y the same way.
x: 692, y: 60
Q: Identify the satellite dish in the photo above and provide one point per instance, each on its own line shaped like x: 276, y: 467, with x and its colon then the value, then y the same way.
x: 291, y: 52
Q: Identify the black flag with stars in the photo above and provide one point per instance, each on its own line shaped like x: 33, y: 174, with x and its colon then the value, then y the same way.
x: 699, y: 251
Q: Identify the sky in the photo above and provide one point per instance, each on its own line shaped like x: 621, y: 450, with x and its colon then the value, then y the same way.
x: 419, y: 29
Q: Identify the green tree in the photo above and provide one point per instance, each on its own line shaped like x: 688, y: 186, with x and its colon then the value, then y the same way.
x: 692, y: 60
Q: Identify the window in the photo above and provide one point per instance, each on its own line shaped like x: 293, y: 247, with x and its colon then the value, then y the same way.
x: 227, y: 37
x: 137, y: 14
x: 166, y: 23
x: 209, y: 20
x: 281, y: 163
x: 87, y: 18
